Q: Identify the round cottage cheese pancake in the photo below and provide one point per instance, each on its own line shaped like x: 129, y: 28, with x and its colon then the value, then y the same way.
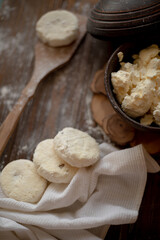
x: 19, y: 180
x: 50, y: 165
x: 77, y: 148
x: 57, y: 28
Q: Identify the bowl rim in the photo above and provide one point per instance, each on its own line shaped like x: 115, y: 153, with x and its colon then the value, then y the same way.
x: 109, y: 87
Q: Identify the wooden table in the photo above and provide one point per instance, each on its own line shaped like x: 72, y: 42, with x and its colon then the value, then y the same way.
x: 62, y: 99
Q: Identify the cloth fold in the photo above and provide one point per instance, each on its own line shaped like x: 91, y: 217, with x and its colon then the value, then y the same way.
x: 109, y: 192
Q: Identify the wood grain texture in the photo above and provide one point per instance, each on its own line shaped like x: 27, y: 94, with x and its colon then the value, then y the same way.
x: 62, y: 99
x: 46, y: 60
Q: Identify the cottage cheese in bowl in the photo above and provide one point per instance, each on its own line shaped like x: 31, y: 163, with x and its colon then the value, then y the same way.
x: 137, y: 85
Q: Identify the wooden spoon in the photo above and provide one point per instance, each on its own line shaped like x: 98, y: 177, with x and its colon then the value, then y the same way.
x: 46, y: 60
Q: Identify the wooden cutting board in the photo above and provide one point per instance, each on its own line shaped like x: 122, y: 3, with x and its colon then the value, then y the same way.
x: 120, y: 132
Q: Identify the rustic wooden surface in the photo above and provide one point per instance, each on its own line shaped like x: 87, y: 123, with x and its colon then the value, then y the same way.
x: 46, y: 60
x: 62, y: 99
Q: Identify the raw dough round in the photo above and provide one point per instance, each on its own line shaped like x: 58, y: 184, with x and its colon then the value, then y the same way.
x: 20, y: 181
x: 57, y: 28
x: 75, y: 147
x: 50, y: 166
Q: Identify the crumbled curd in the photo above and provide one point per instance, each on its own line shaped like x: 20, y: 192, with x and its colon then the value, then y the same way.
x: 137, y: 85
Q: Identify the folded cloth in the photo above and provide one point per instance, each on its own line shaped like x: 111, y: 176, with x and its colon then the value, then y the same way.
x: 107, y: 193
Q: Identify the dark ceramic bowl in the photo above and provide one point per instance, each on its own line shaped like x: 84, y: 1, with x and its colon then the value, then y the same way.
x: 112, y: 19
x: 113, y: 65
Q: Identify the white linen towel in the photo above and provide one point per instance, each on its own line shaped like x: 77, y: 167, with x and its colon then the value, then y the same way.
x: 110, y: 192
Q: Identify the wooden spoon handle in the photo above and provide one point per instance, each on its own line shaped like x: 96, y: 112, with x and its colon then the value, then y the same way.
x: 10, y: 123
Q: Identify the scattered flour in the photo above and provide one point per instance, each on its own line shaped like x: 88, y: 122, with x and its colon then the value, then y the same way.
x: 4, y: 91
x: 91, y: 127
x: 3, y: 162
x: 6, y: 11
x: 14, y: 44
x: 22, y: 150
x: 8, y: 96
